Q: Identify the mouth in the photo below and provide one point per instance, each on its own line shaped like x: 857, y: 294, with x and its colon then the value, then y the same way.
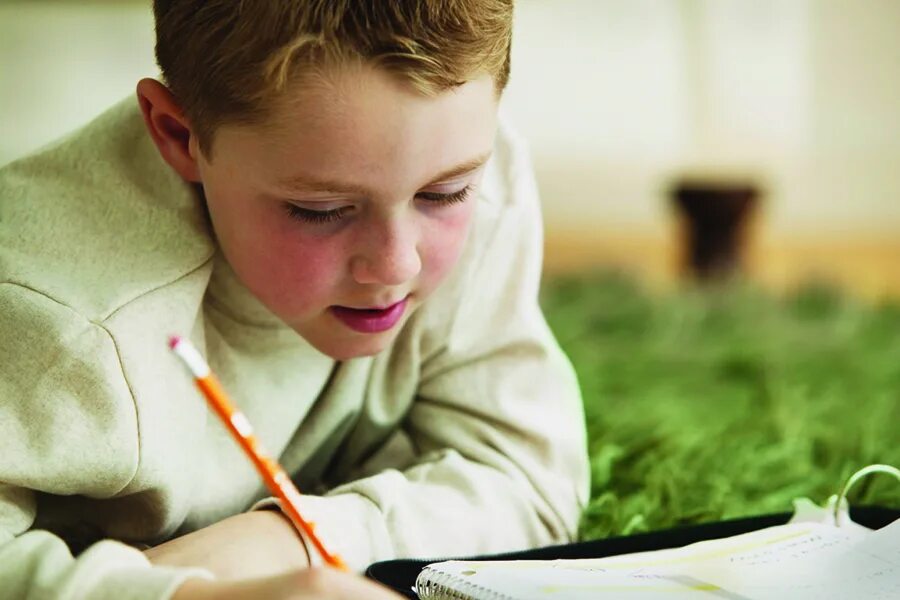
x: 371, y: 320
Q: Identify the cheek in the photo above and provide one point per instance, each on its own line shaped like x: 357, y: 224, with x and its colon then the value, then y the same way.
x: 288, y: 271
x: 303, y: 273
x: 443, y: 244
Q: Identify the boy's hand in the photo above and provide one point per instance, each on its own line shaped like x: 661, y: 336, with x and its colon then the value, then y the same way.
x: 309, y: 584
x: 246, y: 546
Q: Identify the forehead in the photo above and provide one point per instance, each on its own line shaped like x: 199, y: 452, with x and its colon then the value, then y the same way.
x: 364, y: 123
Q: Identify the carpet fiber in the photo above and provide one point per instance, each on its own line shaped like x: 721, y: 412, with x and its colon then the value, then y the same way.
x: 707, y: 404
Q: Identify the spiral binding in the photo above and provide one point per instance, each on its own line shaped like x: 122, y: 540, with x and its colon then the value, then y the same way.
x: 432, y: 584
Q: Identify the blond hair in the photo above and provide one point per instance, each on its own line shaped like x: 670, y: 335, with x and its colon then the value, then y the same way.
x: 227, y: 60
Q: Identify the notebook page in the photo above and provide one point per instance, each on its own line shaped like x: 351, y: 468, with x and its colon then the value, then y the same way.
x: 706, y: 569
x: 480, y: 581
x: 883, y: 544
x: 825, y: 565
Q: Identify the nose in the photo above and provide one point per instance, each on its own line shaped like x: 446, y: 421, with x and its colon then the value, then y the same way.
x: 389, y: 256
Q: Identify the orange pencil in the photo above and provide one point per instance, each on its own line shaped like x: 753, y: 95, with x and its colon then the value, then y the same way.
x: 272, y: 473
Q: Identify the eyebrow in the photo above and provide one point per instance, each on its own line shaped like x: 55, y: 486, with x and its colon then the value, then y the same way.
x: 314, y: 184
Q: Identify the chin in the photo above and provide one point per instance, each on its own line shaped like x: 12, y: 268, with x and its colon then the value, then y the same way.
x: 348, y: 349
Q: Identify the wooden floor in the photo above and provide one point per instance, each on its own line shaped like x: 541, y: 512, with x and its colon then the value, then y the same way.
x: 868, y: 267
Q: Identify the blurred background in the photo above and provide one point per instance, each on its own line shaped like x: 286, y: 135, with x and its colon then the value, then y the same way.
x: 749, y: 144
x: 793, y: 102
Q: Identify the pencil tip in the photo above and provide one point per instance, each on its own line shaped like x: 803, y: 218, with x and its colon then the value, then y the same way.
x: 173, y: 341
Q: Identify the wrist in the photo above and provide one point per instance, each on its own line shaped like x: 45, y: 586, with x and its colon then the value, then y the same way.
x: 196, y: 588
x: 281, y: 525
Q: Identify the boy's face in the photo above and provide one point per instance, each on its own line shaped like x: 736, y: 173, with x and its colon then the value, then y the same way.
x: 349, y: 207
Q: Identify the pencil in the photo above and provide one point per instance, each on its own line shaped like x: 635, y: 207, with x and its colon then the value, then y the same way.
x: 272, y: 473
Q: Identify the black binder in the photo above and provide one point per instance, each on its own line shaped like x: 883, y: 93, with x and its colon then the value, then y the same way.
x: 400, y: 575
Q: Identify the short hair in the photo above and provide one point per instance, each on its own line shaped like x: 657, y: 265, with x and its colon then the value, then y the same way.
x: 226, y: 61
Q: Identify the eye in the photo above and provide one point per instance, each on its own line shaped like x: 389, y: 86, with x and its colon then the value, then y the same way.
x: 315, y: 216
x: 446, y: 199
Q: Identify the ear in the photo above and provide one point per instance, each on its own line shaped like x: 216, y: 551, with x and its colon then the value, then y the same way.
x: 169, y: 129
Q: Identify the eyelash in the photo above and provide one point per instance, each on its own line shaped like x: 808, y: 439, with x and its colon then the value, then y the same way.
x: 316, y: 217
x: 319, y: 217
x: 447, y: 199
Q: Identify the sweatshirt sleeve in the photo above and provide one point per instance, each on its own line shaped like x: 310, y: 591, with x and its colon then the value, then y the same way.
x: 497, y: 429
x: 67, y: 426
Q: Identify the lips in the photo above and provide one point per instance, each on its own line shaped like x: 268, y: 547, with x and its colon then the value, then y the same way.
x: 370, y: 320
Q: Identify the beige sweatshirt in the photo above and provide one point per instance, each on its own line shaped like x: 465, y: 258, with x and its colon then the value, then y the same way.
x: 465, y: 436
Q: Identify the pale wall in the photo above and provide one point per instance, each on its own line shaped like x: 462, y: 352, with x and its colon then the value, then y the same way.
x: 619, y: 97
x: 616, y: 97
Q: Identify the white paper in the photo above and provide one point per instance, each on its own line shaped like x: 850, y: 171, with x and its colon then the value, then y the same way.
x: 801, y: 561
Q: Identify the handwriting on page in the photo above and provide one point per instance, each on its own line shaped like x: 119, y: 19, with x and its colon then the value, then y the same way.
x: 800, y: 561
x: 825, y: 564
x: 798, y: 547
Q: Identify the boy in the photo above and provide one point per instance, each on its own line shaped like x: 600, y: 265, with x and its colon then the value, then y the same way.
x: 320, y: 197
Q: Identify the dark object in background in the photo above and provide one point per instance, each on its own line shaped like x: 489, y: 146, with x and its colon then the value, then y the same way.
x: 716, y: 216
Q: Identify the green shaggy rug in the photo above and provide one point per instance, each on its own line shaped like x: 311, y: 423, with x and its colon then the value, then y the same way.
x: 708, y: 404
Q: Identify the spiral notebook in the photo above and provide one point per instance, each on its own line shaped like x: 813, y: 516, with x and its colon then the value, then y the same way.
x: 819, y: 554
